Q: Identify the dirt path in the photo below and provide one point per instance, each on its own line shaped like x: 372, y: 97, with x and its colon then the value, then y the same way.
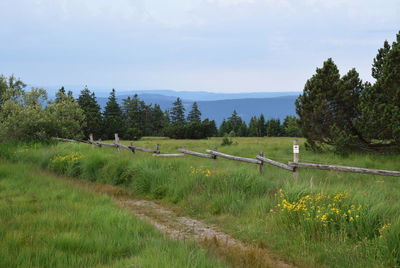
x: 183, y: 228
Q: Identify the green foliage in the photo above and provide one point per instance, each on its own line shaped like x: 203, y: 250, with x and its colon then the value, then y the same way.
x: 194, y: 115
x: 290, y: 127
x: 178, y: 113
x: 348, y: 114
x: 274, y: 128
x: 91, y: 109
x: 380, y: 103
x: 329, y: 103
x: 226, y: 141
x: 113, y: 121
x: 67, y: 119
x: 22, y: 116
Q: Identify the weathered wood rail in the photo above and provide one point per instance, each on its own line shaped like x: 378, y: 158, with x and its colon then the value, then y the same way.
x: 169, y: 155
x: 236, y: 158
x: 184, y: 151
x: 274, y: 163
x: 258, y: 160
x: 346, y: 169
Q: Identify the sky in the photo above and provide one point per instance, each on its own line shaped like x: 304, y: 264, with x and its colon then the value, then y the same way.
x: 190, y: 45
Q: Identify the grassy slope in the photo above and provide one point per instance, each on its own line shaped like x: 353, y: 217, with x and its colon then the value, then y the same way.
x: 239, y: 200
x: 45, y: 222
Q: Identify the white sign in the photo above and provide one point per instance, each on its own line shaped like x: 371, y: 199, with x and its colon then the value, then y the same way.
x: 296, y: 149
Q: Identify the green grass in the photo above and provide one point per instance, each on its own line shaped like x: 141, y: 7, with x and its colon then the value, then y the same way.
x: 234, y: 196
x: 46, y: 222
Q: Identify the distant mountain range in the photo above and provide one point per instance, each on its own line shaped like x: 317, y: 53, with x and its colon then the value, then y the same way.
x: 275, y: 107
x: 215, y: 106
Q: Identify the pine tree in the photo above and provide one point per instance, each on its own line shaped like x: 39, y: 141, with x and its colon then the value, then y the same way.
x: 290, y: 127
x: 243, y: 130
x: 113, y: 122
x: 157, y: 120
x: 329, y: 109
x: 178, y: 113
x: 223, y: 128
x: 61, y: 95
x: 133, y: 117
x: 252, y: 130
x: 194, y: 114
x: 316, y: 105
x: 261, y: 126
x: 273, y: 128
x: 234, y: 122
x: 380, y: 102
x: 91, y: 110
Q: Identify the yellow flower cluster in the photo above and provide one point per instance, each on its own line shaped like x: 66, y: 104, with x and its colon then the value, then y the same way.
x: 319, y: 208
x: 383, y: 229
x: 204, y: 171
x: 70, y: 158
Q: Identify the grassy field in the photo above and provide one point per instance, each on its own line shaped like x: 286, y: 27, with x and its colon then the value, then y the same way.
x: 325, y: 218
x: 46, y: 222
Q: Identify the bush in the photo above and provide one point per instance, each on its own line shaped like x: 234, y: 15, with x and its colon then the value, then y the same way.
x: 226, y: 141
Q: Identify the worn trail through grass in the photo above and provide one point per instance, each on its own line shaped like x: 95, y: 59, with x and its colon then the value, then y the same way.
x: 183, y: 228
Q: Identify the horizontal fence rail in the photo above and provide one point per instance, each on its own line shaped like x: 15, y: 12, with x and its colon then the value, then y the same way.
x: 169, y: 155
x: 259, y: 159
x: 196, y: 153
x: 346, y: 169
x: 274, y: 163
x: 236, y: 158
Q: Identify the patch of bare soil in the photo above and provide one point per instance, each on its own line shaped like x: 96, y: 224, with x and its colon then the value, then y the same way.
x: 183, y: 228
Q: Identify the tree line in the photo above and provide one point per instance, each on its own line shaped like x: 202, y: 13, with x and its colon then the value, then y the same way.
x: 29, y: 115
x: 348, y: 114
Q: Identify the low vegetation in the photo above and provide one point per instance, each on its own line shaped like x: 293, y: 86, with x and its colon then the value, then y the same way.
x: 322, y: 219
x: 46, y: 222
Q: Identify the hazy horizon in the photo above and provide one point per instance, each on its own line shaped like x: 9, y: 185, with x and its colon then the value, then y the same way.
x: 221, y: 46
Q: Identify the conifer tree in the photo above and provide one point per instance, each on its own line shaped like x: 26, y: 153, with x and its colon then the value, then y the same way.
x: 194, y: 114
x: 91, y: 110
x: 252, y: 130
x: 113, y: 121
x: 178, y: 113
x: 261, y: 126
x: 380, y: 104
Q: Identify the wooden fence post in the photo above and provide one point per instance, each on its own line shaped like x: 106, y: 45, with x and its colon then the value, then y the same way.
x: 158, y: 148
x: 100, y: 145
x: 117, y: 142
x: 91, y: 140
x: 184, y: 155
x: 296, y: 158
x: 262, y: 164
x: 215, y: 157
x: 132, y: 148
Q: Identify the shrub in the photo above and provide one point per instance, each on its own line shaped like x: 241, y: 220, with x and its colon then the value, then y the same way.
x: 226, y: 141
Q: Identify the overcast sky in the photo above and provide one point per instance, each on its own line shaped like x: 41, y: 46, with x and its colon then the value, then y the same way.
x: 212, y: 45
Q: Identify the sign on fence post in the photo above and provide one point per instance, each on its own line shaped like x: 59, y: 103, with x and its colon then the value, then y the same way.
x: 262, y: 164
x: 296, y: 152
x: 117, y: 142
x: 91, y: 140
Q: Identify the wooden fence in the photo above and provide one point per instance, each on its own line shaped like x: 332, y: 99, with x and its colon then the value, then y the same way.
x: 258, y: 160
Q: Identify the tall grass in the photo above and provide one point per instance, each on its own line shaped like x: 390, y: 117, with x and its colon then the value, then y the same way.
x: 45, y: 222
x: 251, y: 207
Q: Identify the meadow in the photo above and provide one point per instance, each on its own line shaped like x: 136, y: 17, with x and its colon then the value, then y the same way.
x: 325, y: 218
x: 47, y: 222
